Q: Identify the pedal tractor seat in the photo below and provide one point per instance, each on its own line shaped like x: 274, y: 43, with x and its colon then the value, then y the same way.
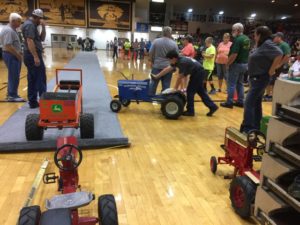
x: 57, y: 217
x: 70, y: 201
x: 69, y: 84
x: 58, y: 96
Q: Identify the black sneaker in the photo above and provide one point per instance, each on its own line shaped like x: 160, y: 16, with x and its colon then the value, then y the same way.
x: 34, y: 105
x: 187, y: 113
x: 294, y: 188
x: 226, y: 105
x: 238, y: 104
x: 212, y: 111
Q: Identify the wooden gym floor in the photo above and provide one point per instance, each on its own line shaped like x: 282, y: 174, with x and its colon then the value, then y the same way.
x: 162, y: 179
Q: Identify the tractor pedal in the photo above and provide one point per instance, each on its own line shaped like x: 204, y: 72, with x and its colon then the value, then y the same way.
x: 50, y: 178
x: 257, y: 158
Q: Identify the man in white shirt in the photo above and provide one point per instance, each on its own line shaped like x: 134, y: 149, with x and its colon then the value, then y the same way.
x: 295, y: 68
x: 12, y: 56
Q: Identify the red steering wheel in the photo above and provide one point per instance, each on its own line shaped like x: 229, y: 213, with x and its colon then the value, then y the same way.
x: 67, y: 160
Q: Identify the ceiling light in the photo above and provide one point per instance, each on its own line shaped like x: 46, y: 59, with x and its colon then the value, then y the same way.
x: 221, y: 12
x: 273, y: 1
x: 157, y: 29
x: 253, y: 15
x: 158, y: 1
x: 283, y: 18
x: 296, y: 5
x: 190, y: 10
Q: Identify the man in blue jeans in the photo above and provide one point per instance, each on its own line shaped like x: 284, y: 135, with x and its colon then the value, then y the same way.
x: 12, y: 56
x: 189, y: 67
x: 33, y: 59
x: 157, y: 57
x: 238, y: 63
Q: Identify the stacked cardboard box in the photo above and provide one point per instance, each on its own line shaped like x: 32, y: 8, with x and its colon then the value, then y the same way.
x: 275, y: 203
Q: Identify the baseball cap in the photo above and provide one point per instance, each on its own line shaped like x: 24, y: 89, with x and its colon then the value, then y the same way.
x: 38, y: 13
x: 278, y: 34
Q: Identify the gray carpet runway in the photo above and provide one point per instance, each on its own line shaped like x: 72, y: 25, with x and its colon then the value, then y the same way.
x: 96, y: 100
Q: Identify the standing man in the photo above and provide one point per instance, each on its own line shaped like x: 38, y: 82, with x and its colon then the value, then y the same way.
x: 12, y: 56
x: 237, y: 63
x: 209, y: 63
x: 115, y: 48
x: 142, y: 46
x: 286, y: 49
x: 158, y: 59
x: 33, y: 59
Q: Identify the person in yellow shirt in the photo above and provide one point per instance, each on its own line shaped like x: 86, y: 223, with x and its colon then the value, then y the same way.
x: 209, y: 63
x: 127, y: 46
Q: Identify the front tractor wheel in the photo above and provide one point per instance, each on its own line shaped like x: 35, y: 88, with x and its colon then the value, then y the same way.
x: 115, y: 105
x: 242, y: 195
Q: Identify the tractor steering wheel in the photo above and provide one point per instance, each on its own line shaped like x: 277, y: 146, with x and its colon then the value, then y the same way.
x: 257, y: 139
x: 69, y: 156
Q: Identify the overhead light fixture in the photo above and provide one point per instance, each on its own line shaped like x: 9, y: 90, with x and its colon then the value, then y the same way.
x: 221, y: 12
x: 273, y: 1
x: 161, y: 1
x: 253, y: 15
x: 157, y: 29
x: 296, y: 4
x: 190, y: 10
x: 283, y: 18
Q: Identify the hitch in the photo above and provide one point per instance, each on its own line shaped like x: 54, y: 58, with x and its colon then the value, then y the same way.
x: 50, y: 178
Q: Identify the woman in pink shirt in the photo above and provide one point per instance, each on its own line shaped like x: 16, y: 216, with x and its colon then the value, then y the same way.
x: 188, y: 51
x: 222, y: 58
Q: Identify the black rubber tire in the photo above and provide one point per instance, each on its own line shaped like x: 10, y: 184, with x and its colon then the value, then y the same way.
x: 125, y: 102
x: 172, y: 100
x: 32, y: 130
x: 245, y: 188
x: 213, y: 164
x: 115, y: 105
x: 87, y: 126
x: 107, y: 210
x: 30, y: 215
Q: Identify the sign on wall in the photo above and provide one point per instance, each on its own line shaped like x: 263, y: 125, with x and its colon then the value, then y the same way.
x: 110, y: 15
x: 23, y: 7
x: 142, y: 27
x: 64, y: 12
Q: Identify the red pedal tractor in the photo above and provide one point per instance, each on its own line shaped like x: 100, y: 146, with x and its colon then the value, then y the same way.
x: 63, y: 209
x: 239, y: 153
x: 60, y: 109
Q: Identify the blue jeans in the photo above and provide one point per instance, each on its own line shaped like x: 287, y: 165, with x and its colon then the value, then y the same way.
x: 14, y: 68
x: 36, y: 77
x: 253, y: 103
x: 222, y: 71
x: 195, y: 86
x: 165, y: 81
x: 235, y: 82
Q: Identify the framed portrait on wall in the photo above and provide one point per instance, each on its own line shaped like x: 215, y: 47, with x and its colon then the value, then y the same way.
x: 64, y: 12
x: 23, y: 7
x: 110, y: 15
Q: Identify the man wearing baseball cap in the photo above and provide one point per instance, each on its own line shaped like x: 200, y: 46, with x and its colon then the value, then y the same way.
x: 33, y: 58
x: 278, y: 38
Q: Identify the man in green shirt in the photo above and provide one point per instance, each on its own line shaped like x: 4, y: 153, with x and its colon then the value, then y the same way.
x: 238, y: 64
x: 286, y: 49
x: 127, y: 46
x: 209, y: 63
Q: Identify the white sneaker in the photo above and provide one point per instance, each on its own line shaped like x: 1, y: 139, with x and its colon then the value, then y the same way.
x: 15, y: 99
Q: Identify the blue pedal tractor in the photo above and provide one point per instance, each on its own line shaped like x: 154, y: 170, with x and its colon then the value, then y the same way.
x: 172, y: 102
